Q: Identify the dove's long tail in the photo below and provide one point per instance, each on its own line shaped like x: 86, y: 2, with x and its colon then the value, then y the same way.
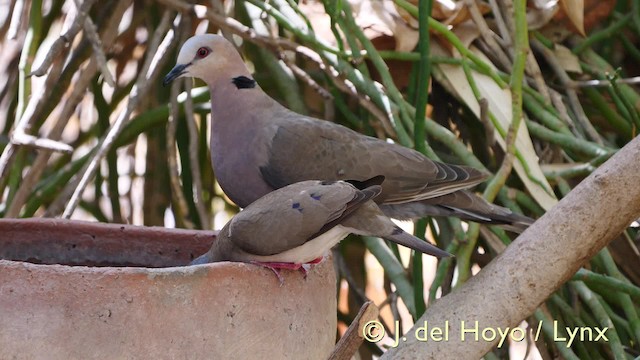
x: 402, y: 237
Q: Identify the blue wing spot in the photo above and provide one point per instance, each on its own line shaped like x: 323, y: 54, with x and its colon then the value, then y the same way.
x: 315, y: 196
x: 296, y: 206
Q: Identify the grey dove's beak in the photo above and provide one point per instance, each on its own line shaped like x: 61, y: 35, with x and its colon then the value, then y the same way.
x: 175, y: 73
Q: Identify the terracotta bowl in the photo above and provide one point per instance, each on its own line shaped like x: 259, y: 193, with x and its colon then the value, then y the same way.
x: 78, y: 290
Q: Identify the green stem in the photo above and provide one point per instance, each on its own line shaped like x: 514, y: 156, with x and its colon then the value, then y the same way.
x: 602, y: 35
x: 602, y: 317
x: 612, y: 283
x: 394, y: 271
x: 517, y: 79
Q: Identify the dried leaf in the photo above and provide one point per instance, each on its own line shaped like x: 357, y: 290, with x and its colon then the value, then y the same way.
x: 445, y: 11
x: 499, y: 100
x: 574, y: 9
x: 379, y: 18
x: 540, y: 13
x: 568, y: 60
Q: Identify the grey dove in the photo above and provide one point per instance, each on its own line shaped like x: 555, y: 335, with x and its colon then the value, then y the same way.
x: 299, y: 223
x: 258, y: 145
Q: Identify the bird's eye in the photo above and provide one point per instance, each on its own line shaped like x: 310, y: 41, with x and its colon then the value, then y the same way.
x: 203, y: 52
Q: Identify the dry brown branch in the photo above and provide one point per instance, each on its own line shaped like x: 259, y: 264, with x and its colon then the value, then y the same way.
x: 194, y: 159
x: 505, y: 35
x: 556, y: 100
x: 352, y: 338
x: 604, y: 83
x: 109, y: 36
x: 488, y: 36
x: 16, y: 20
x: 65, y: 39
x: 93, y: 38
x: 572, y: 95
x: 489, y: 129
x: 39, y: 164
x: 181, y: 208
x: 533, y: 69
x: 28, y: 117
x: 148, y: 73
x: 585, y: 221
x: 20, y: 138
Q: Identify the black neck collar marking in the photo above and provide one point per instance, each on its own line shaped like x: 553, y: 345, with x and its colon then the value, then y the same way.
x: 243, y: 82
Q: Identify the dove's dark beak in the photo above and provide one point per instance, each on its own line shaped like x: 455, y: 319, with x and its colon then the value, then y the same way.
x: 175, y: 73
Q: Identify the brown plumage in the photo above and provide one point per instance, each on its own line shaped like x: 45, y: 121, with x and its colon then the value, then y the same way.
x: 258, y: 146
x: 301, y: 222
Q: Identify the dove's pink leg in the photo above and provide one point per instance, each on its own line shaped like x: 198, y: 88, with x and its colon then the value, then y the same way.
x: 276, y: 266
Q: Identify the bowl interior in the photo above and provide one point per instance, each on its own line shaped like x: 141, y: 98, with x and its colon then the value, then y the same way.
x: 55, y: 241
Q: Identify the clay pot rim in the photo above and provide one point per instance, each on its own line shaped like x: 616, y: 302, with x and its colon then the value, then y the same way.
x: 238, y: 267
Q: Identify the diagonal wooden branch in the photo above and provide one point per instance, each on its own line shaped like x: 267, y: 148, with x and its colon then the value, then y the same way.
x: 352, y: 339
x: 544, y: 257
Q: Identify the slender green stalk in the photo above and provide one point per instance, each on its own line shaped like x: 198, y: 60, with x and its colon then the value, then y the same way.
x: 383, y: 70
x: 304, y: 34
x: 612, y: 283
x: 547, y: 327
x: 625, y: 299
x: 424, y: 74
x: 567, y: 142
x: 602, y: 35
x: 547, y: 116
x: 573, y: 319
x: 601, y: 315
x: 394, y: 271
x: 628, y: 106
x: 629, y: 47
x: 418, y: 279
x: 422, y: 99
x: 517, y: 79
x: 613, y: 118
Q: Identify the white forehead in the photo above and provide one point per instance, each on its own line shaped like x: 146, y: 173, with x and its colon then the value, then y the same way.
x: 188, y: 50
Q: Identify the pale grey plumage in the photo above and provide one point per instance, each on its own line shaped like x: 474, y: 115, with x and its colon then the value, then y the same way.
x: 258, y: 145
x: 301, y: 222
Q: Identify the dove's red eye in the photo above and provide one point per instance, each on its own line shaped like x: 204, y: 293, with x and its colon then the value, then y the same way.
x: 203, y: 52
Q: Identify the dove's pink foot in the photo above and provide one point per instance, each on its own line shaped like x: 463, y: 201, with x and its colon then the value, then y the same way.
x: 276, y: 266
x: 316, y: 261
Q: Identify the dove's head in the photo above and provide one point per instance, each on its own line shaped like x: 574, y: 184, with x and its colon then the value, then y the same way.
x: 207, y: 57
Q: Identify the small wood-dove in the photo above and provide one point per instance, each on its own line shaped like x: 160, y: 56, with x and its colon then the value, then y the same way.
x: 299, y: 223
x: 258, y: 145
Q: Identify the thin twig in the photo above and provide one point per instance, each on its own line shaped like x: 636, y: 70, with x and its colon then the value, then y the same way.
x: 556, y: 100
x: 148, y: 73
x: 505, y: 34
x: 488, y: 35
x: 20, y: 135
x: 38, y: 166
x: 354, y: 336
x: 489, y: 128
x: 194, y: 158
x: 603, y: 83
x: 108, y: 38
x: 574, y: 102
x: 21, y: 138
x: 346, y: 274
x: 16, y: 20
x: 533, y: 69
x: 181, y: 209
x: 65, y: 39
x: 93, y: 38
